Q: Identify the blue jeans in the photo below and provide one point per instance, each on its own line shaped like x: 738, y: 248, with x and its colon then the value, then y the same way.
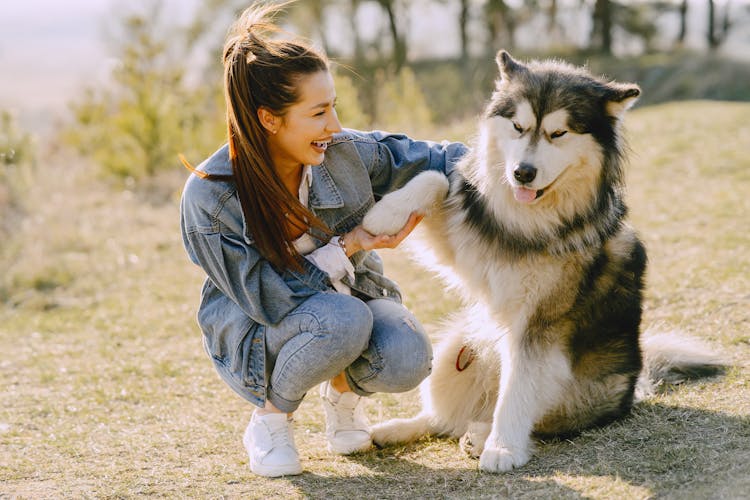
x: 379, y: 345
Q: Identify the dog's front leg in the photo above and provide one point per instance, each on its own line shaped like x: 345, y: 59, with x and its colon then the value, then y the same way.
x: 422, y: 194
x: 531, y: 383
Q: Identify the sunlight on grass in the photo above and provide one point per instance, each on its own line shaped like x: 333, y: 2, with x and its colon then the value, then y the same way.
x: 105, y: 390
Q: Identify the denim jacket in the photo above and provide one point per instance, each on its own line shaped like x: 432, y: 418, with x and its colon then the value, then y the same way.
x: 243, y: 290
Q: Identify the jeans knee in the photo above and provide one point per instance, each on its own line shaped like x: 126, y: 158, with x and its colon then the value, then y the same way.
x: 348, y: 321
x: 407, y: 366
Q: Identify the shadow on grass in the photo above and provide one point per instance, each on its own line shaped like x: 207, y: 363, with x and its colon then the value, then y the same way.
x: 671, y: 450
x: 391, y: 477
x: 660, y: 450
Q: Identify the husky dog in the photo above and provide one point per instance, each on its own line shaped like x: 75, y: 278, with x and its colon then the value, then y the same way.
x: 533, y: 232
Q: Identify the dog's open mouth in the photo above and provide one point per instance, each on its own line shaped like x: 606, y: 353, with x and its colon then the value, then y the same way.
x: 526, y: 195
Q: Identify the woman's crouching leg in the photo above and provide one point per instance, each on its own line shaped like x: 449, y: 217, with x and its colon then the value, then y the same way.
x: 399, y: 354
x: 314, y: 343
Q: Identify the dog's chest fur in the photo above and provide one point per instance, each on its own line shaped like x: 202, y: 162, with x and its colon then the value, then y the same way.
x: 515, y: 289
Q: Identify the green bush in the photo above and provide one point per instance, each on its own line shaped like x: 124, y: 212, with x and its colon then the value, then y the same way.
x: 17, y: 154
x: 149, y: 113
x: 401, y: 105
x: 348, y: 104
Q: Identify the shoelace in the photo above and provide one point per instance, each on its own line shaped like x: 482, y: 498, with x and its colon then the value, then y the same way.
x: 346, y: 416
x: 280, y: 436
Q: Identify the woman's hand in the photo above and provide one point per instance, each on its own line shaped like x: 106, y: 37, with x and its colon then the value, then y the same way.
x: 358, y: 239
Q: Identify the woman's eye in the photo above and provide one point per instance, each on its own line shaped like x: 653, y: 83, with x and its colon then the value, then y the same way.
x: 517, y: 127
x: 558, y: 133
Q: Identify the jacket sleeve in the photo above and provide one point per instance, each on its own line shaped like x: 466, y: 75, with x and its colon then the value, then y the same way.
x: 242, y: 274
x: 397, y: 158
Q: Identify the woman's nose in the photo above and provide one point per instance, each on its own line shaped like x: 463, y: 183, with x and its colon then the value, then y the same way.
x: 333, y: 124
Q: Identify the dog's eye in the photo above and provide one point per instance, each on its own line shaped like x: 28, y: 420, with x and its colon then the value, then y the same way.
x: 558, y: 133
x: 517, y: 127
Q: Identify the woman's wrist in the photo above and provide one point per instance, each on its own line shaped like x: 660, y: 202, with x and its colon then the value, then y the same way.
x: 347, y: 244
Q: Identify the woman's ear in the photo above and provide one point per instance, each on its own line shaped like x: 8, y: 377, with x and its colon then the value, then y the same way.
x: 268, y: 120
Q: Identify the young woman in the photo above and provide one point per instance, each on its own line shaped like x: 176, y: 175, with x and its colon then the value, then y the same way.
x: 295, y: 297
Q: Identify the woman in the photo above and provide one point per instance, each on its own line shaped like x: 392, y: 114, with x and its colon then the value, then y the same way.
x: 295, y: 297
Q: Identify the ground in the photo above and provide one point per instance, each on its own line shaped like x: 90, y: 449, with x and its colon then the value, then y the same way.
x: 105, y: 390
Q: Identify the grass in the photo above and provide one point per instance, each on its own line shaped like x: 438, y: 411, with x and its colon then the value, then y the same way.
x: 105, y: 390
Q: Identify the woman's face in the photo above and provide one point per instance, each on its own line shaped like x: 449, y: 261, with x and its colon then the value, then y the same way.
x: 308, y: 125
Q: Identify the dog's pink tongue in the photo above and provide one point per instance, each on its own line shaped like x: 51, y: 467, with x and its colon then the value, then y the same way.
x: 524, y: 195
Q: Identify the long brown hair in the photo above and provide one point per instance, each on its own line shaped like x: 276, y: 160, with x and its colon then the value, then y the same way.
x: 260, y: 71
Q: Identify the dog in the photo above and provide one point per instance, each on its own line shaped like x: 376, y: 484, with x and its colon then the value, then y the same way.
x: 532, y: 230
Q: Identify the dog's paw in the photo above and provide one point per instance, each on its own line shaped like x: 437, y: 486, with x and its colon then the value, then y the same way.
x: 400, y: 430
x: 422, y: 194
x: 472, y: 443
x: 386, y: 217
x: 502, y: 459
x: 385, y: 433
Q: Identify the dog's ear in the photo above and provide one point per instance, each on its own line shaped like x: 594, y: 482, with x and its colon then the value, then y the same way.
x: 621, y: 97
x: 508, y: 66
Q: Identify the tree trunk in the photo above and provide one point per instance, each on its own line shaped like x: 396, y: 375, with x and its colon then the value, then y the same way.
x: 463, y: 20
x: 399, y: 42
x: 359, y: 50
x: 683, y: 23
x: 501, y: 26
x: 713, y: 42
x: 602, y: 30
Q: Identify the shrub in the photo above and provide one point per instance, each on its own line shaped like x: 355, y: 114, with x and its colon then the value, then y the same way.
x: 148, y: 114
x: 17, y: 155
x: 348, y: 107
x: 400, y: 104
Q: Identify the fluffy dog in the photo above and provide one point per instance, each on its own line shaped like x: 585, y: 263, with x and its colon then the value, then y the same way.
x: 533, y: 233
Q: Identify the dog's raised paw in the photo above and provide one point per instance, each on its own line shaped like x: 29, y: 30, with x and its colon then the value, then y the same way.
x: 386, y: 217
x: 501, y: 459
x: 421, y: 195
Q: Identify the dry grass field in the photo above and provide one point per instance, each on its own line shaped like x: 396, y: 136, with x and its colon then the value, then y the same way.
x: 105, y: 391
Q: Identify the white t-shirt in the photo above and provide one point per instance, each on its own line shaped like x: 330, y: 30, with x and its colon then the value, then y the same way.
x: 329, y: 258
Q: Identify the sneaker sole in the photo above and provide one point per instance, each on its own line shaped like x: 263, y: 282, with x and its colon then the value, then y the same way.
x: 350, y: 449
x: 275, y: 470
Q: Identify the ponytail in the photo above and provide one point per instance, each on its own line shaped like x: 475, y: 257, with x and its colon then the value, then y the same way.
x: 260, y: 71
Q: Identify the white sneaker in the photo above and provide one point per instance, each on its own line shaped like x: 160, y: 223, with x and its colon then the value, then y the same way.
x: 269, y: 440
x: 347, y: 428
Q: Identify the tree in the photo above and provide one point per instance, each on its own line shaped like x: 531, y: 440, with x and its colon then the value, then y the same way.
x: 463, y: 21
x: 392, y: 10
x: 359, y: 49
x: 138, y: 124
x: 500, y: 22
x: 310, y: 17
x: 716, y: 35
x: 683, y: 12
x: 601, y: 32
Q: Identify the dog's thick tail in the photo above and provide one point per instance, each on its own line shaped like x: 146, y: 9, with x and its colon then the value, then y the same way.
x: 670, y: 358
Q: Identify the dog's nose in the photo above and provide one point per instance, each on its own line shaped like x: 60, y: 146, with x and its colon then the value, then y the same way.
x: 525, y: 173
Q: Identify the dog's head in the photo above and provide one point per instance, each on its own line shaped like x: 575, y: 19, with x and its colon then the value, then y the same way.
x: 556, y: 128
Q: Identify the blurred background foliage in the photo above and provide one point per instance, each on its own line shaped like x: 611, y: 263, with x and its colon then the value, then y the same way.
x: 17, y: 162
x: 164, y: 97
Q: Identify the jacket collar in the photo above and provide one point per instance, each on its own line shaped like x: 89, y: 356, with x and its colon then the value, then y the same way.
x: 218, y: 163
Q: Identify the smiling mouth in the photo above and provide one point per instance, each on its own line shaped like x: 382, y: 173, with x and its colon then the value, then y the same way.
x: 322, y: 145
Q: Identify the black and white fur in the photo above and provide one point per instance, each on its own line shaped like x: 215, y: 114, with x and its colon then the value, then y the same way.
x: 533, y: 233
